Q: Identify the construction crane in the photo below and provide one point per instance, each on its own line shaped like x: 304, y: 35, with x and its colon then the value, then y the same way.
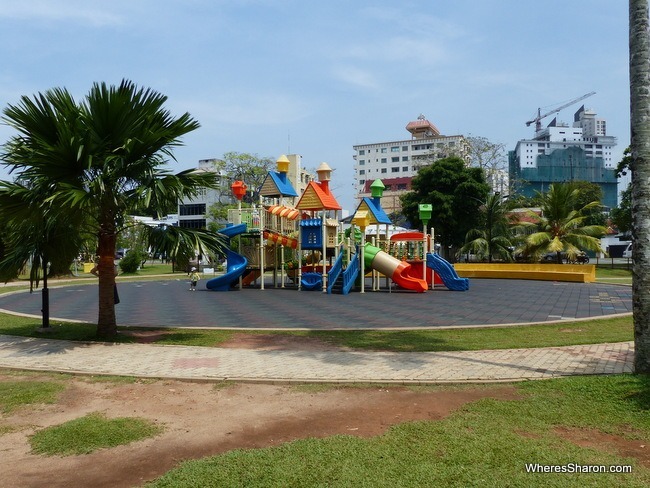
x: 538, y: 120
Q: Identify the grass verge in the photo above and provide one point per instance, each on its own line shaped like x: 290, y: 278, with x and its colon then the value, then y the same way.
x: 487, y: 443
x: 617, y: 329
x: 14, y: 394
x: 90, y: 433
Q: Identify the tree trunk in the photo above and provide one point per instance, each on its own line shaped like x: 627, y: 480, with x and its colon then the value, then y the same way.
x: 106, y: 323
x: 640, y: 147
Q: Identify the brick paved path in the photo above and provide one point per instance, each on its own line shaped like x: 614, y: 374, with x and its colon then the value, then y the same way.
x: 185, y: 362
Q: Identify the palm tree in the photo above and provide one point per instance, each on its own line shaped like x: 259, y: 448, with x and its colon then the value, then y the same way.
x: 97, y: 160
x: 494, y: 238
x: 640, y: 166
x: 561, y: 226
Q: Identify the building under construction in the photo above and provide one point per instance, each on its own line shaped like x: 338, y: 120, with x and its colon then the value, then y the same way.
x: 563, y: 153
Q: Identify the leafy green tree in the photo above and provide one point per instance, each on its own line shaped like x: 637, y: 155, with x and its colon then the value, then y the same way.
x: 622, y: 215
x: 36, y: 235
x: 455, y: 191
x: 98, y: 160
x: 132, y: 261
x: 625, y: 164
x: 250, y: 168
x: 589, y: 192
x: 561, y: 225
x: 521, y: 201
x: 494, y: 238
x: 490, y: 157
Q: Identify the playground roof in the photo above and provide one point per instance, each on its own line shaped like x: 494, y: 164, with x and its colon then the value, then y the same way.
x: 377, y: 214
x: 277, y: 185
x: 316, y: 198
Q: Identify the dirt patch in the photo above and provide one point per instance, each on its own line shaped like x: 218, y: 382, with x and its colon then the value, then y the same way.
x: 201, y: 419
x: 278, y: 342
x: 146, y: 336
x: 596, y: 439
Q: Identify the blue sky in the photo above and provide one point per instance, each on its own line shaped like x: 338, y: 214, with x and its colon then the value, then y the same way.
x: 316, y: 77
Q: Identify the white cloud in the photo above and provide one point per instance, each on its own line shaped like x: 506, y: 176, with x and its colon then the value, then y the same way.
x: 247, y: 108
x: 356, y: 77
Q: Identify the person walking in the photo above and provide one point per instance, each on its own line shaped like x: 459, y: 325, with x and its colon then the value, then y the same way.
x: 194, y: 279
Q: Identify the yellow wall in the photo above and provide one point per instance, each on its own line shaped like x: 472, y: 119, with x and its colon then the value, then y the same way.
x: 583, y: 273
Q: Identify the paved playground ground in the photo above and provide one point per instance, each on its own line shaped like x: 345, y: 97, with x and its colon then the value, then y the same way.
x: 169, y: 303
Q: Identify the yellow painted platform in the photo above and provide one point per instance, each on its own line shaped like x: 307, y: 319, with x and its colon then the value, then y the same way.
x: 581, y: 273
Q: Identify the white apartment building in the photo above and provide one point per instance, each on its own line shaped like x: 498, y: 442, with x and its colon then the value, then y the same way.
x: 192, y: 213
x: 396, y: 162
x: 587, y: 132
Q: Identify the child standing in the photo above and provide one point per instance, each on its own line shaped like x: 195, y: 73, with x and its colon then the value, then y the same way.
x: 194, y: 279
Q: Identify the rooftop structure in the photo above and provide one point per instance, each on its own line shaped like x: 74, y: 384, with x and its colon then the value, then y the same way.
x: 396, y: 162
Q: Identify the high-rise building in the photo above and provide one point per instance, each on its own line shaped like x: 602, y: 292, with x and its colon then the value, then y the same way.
x: 396, y: 162
x: 559, y: 153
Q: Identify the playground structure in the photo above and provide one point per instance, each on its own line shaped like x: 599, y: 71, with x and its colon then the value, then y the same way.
x: 304, y: 246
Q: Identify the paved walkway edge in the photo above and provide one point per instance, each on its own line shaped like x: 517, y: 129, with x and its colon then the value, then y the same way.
x: 225, y: 364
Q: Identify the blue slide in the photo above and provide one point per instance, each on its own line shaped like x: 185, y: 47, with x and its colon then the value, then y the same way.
x: 447, y: 273
x: 236, y: 263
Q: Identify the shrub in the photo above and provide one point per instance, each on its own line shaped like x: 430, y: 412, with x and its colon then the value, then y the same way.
x: 132, y: 261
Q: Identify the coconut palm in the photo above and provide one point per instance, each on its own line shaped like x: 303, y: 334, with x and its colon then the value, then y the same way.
x: 494, y: 238
x: 640, y: 166
x: 95, y: 161
x: 560, y: 225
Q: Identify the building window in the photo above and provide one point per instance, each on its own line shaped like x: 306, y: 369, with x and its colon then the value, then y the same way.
x: 383, y: 170
x: 362, y: 152
x: 362, y: 162
x: 362, y: 171
x: 383, y: 160
x: 394, y: 169
x: 192, y: 209
x: 394, y: 159
x: 361, y: 182
x: 405, y: 158
x: 405, y: 148
x: 394, y: 149
x: 401, y: 186
x: 192, y: 223
x: 383, y: 149
x: 405, y: 168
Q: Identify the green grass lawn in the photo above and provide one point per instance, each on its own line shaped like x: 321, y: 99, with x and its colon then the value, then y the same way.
x: 486, y: 443
x: 15, y: 394
x: 595, y: 331
x: 606, y: 274
x: 90, y: 433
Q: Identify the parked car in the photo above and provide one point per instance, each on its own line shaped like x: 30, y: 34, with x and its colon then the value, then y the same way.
x: 628, y: 251
x: 551, y: 257
x: 468, y: 258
